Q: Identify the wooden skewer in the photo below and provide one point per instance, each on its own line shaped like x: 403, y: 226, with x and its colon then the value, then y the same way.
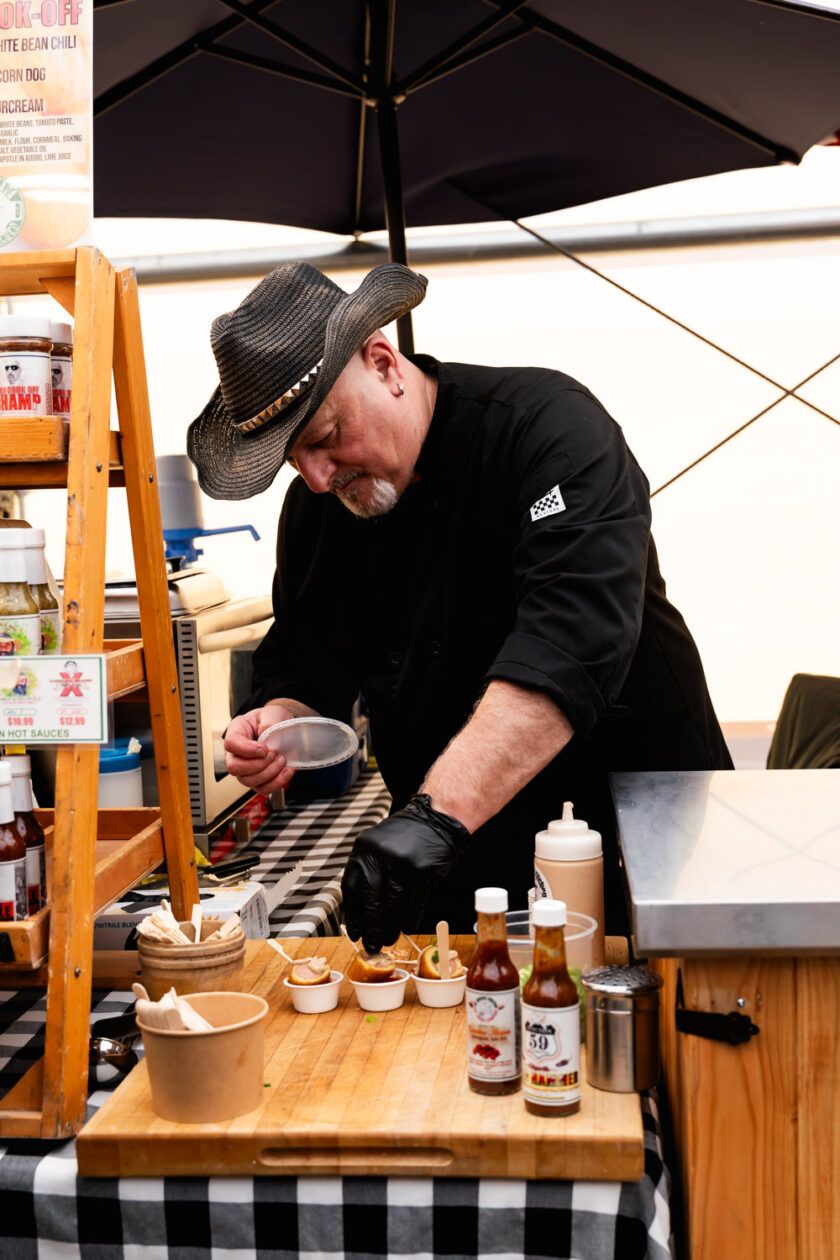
x: 412, y: 943
x: 443, y: 949
x: 275, y: 944
x: 359, y: 953
x: 195, y: 918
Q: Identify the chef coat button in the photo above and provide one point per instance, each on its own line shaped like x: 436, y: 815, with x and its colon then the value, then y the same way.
x: 435, y: 649
x: 395, y: 659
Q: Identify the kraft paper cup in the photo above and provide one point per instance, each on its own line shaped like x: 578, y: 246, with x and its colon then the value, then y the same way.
x: 384, y: 996
x: 198, y: 1077
x: 441, y: 992
x: 314, y: 999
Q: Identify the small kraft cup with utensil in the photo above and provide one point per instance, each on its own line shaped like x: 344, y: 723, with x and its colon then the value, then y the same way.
x: 199, y: 955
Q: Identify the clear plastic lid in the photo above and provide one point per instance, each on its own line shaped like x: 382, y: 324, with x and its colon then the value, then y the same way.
x: 311, y: 743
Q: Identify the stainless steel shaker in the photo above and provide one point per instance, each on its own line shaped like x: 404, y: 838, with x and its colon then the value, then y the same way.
x: 622, y: 1028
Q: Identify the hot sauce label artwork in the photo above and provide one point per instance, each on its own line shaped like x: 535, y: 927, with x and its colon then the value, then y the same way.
x: 493, y: 1032
x: 551, y: 1054
x: 13, y: 890
x: 35, y: 882
x: 20, y: 636
x: 25, y: 383
x: 50, y: 631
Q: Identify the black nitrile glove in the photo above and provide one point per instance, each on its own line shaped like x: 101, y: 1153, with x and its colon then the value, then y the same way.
x: 393, y: 868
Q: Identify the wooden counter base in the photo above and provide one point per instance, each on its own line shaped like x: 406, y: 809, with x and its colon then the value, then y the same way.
x: 347, y: 1093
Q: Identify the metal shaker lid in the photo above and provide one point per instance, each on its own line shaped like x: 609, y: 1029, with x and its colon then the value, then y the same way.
x: 621, y: 981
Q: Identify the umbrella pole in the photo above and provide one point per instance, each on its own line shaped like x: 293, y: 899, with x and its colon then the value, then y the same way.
x: 382, y: 32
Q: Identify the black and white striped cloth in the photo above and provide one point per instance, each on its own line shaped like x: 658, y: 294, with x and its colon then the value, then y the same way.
x: 314, y: 839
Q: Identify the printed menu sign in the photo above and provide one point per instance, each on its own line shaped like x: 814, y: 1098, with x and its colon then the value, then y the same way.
x: 46, y: 123
x: 53, y: 699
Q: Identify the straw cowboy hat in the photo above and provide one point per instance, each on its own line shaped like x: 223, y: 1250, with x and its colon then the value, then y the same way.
x: 279, y: 355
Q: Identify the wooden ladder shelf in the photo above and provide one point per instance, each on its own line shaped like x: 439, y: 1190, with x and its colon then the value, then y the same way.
x: 95, y: 855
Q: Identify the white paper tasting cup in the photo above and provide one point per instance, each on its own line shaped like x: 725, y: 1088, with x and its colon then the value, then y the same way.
x: 314, y: 999
x: 441, y: 992
x: 385, y: 995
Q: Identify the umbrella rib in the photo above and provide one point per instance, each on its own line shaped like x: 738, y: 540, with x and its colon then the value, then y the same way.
x: 168, y: 61
x: 466, y: 59
x: 800, y: 10
x: 788, y: 393
x: 563, y: 35
x: 434, y: 64
x: 296, y: 45
x: 672, y: 319
x: 275, y: 67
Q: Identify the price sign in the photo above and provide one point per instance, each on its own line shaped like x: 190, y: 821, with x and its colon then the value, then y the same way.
x: 53, y: 700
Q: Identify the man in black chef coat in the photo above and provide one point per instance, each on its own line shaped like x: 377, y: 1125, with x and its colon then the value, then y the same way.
x: 470, y: 548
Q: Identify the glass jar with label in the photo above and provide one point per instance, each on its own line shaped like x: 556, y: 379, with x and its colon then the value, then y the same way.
x: 492, y: 1002
x: 27, y: 826
x: 61, y: 367
x: 20, y: 616
x: 550, y: 1019
x: 36, y: 568
x: 12, y: 853
x: 25, y: 374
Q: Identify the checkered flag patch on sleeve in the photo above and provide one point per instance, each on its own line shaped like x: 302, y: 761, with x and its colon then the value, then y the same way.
x: 548, y: 505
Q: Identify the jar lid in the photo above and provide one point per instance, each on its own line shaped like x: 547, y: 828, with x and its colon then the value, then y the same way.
x: 25, y: 326
x: 621, y: 981
x: 115, y: 760
x: 491, y: 900
x: 20, y: 765
x: 14, y: 539
x: 34, y: 537
x: 61, y: 332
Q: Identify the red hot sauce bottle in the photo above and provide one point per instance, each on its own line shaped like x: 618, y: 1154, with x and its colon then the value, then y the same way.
x: 12, y: 853
x: 492, y: 1006
x: 27, y: 825
x: 550, y: 1020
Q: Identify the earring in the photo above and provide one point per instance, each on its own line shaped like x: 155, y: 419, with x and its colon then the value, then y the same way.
x: 401, y: 388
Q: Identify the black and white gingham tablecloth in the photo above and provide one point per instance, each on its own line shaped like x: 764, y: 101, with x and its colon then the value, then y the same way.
x: 49, y: 1212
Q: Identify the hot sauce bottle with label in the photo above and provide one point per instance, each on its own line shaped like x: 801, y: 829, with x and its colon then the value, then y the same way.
x: 550, y: 1020
x: 492, y: 1004
x: 12, y: 853
x: 27, y: 825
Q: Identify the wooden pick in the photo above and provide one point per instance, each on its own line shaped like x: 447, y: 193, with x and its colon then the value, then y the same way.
x: 359, y: 953
x: 195, y: 919
x: 443, y: 949
x: 412, y: 943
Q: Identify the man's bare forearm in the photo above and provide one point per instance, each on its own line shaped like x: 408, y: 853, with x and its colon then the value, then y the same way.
x: 512, y: 735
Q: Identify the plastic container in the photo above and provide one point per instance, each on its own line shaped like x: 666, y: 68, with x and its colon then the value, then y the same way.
x: 314, y: 999
x: 310, y: 743
x: 441, y: 992
x: 25, y: 382
x: 580, y: 934
x: 569, y: 867
x: 61, y: 367
x: 20, y: 617
x: 120, y: 776
x: 199, y: 1077
x: 385, y: 995
x: 192, y: 968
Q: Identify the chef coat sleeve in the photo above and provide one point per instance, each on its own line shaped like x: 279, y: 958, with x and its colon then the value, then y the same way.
x: 582, y: 511
x: 308, y: 653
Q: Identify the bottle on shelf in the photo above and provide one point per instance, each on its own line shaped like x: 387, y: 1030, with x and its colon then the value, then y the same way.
x: 30, y: 829
x: 36, y: 567
x: 492, y: 1002
x: 20, y: 616
x: 569, y: 867
x: 61, y: 367
x: 550, y: 1020
x: 12, y: 853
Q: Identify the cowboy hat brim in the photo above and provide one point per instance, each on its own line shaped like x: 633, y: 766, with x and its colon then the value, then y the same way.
x: 232, y: 464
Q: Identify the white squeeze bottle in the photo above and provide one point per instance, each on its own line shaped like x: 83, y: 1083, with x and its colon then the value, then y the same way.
x: 569, y: 866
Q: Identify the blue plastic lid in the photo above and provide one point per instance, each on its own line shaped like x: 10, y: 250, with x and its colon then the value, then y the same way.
x: 113, y: 760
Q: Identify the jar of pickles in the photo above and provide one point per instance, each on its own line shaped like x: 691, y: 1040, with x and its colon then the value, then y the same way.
x: 20, y: 615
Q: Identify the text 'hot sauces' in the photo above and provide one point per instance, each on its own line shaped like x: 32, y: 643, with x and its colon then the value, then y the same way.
x: 550, y: 1020
x: 492, y: 1005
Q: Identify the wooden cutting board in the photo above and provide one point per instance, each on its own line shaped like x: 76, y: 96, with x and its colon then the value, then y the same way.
x: 347, y: 1093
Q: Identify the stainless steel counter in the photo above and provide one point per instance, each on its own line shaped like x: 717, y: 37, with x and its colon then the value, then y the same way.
x: 731, y: 861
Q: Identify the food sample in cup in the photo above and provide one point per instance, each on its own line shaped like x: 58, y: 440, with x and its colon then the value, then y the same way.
x: 428, y: 964
x: 371, y: 968
x: 310, y: 971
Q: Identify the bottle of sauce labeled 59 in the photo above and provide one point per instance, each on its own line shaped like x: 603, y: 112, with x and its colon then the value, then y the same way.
x: 569, y: 867
x: 550, y: 1020
x: 492, y: 1005
x: 30, y: 829
x: 12, y: 853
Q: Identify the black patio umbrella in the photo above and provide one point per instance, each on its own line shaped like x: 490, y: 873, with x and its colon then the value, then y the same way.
x: 351, y: 115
